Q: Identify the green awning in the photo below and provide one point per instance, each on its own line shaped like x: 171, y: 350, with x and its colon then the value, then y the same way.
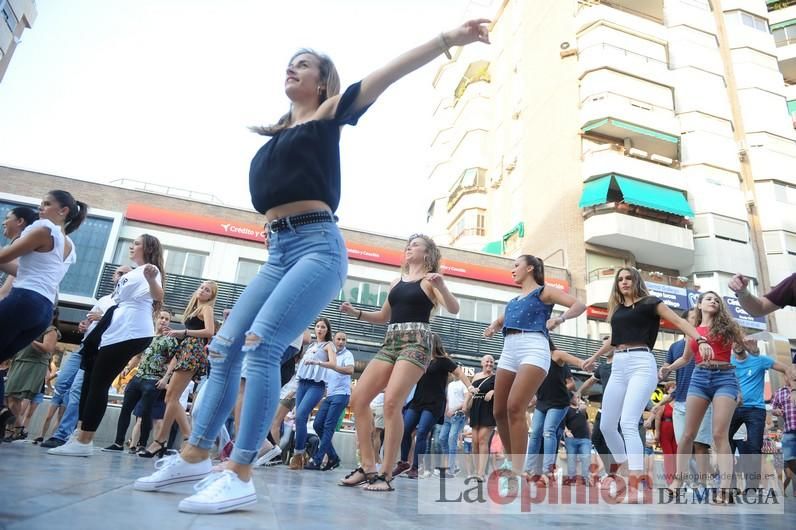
x: 783, y: 24
x: 518, y: 229
x: 595, y: 192
x: 655, y: 197
x: 493, y: 247
x: 630, y: 127
x: 791, y: 106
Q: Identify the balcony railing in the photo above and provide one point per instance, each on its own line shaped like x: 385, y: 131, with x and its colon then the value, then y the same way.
x: 632, y: 102
x: 637, y: 211
x: 463, y: 339
x: 613, y: 50
x: 617, y: 4
x: 648, y: 276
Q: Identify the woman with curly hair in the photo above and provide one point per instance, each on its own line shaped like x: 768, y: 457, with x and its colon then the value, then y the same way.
x: 188, y: 364
x: 713, y: 381
x: 402, y: 360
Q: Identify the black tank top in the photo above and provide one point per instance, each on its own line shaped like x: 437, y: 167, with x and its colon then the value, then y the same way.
x: 553, y: 393
x: 194, y: 323
x: 409, y: 303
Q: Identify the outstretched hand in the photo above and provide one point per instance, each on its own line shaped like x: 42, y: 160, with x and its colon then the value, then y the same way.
x: 476, y: 30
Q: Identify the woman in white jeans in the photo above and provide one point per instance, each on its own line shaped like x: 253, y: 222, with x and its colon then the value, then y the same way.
x: 635, y: 319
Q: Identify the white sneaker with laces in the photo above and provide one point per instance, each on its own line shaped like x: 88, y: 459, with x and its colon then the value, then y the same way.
x: 173, y: 470
x: 265, y: 460
x: 73, y: 448
x: 220, y: 493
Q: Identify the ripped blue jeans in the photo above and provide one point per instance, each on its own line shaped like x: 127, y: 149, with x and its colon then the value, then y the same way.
x: 305, y: 270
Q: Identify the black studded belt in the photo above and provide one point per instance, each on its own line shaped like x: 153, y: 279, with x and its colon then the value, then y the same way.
x: 292, y: 221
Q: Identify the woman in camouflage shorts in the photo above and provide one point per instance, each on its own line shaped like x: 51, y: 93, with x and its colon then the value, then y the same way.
x: 402, y: 359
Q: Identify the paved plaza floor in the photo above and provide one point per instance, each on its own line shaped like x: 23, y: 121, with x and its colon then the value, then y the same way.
x: 40, y: 491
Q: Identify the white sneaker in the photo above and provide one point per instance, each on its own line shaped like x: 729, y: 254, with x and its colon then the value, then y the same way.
x: 265, y: 460
x: 220, y: 493
x: 173, y: 470
x: 73, y: 448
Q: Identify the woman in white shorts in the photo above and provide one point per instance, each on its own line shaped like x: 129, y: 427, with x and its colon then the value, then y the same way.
x: 525, y: 359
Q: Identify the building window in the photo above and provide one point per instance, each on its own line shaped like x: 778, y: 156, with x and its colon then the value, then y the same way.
x: 247, y: 270
x: 750, y: 20
x: 358, y: 291
x: 90, y: 242
x: 470, y: 222
x: 784, y: 36
x: 474, y: 310
x: 177, y: 260
x: 9, y: 16
x: 185, y: 262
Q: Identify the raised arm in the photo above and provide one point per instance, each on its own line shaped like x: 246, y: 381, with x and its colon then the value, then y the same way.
x: 382, y: 316
x: 459, y: 374
x: 441, y: 292
x: 495, y: 326
x: 48, y: 342
x: 559, y: 355
x: 757, y: 306
x: 588, y: 364
x: 151, y: 274
x: 8, y: 284
x: 587, y: 384
x: 377, y: 82
x: 36, y: 239
x: 574, y: 307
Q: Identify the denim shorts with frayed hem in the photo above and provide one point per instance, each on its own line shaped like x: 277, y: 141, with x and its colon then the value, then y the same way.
x: 708, y: 384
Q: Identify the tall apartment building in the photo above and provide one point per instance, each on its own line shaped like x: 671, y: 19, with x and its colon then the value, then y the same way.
x: 17, y: 15
x: 596, y: 134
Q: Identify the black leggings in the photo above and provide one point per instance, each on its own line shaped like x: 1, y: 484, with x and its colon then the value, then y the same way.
x: 99, y: 375
x: 145, y: 391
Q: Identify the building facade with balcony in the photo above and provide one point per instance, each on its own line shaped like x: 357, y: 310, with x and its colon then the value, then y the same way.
x: 17, y: 16
x: 648, y: 132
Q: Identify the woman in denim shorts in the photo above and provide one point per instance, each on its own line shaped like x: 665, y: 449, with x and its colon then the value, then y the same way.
x: 713, y: 382
x: 402, y: 359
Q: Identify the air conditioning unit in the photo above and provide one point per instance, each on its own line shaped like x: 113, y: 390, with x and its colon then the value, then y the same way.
x: 662, y: 159
x: 638, y: 153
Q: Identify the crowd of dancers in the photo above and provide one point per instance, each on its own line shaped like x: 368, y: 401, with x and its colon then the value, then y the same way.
x: 255, y: 354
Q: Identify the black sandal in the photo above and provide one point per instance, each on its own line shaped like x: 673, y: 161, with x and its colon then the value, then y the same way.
x: 160, y: 453
x: 379, y: 478
x: 368, y: 477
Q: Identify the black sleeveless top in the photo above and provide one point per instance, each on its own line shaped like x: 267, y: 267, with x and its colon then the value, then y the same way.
x: 553, y: 393
x: 195, y: 323
x: 638, y: 323
x: 302, y: 163
x: 409, y: 303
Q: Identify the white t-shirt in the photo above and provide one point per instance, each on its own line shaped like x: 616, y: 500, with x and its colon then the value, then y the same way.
x: 456, y: 391
x: 41, y: 272
x: 133, y: 318
x: 102, y: 305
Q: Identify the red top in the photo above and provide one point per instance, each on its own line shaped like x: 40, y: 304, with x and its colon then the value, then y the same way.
x: 721, y: 350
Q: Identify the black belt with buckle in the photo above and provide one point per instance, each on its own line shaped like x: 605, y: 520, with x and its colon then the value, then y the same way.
x: 716, y: 367
x: 292, y: 221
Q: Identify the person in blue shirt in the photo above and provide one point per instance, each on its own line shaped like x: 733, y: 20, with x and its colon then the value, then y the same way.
x: 750, y: 368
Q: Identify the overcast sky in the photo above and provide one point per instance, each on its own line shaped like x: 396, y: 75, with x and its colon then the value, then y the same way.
x: 162, y: 91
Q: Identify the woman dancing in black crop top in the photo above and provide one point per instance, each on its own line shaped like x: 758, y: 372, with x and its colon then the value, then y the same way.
x: 403, y: 358
x: 635, y: 318
x: 295, y: 181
